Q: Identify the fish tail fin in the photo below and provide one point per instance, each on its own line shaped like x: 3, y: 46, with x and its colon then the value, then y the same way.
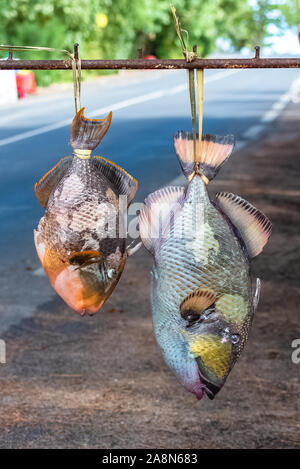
x: 86, y: 134
x: 213, y: 151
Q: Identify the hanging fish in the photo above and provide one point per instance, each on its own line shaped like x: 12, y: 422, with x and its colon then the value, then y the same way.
x: 81, y: 239
x: 202, y: 298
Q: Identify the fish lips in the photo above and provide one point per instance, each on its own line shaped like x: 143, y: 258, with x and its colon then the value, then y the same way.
x: 210, y: 388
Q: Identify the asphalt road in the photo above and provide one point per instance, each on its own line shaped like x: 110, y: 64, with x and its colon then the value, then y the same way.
x: 101, y: 382
x: 149, y: 108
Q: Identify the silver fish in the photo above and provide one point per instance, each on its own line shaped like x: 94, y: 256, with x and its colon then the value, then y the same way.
x: 202, y: 295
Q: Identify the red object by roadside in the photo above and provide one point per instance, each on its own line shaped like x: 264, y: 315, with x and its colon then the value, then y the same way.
x: 150, y: 57
x: 25, y: 83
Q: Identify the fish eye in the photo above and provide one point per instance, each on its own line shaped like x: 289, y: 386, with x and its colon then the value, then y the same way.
x: 193, y: 317
x: 235, y: 338
x: 111, y: 273
x: 190, y: 316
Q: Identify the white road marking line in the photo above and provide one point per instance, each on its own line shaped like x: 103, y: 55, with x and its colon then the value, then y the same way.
x: 253, y: 132
x: 33, y: 133
x: 218, y: 76
x: 240, y: 144
x: 277, y: 107
x: 39, y: 272
x: 114, y: 107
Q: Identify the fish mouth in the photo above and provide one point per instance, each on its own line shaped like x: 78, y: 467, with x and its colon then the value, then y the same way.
x: 90, y: 310
x: 84, y: 307
x: 204, y: 386
x: 86, y: 312
x: 210, y: 389
x: 84, y: 299
x: 198, y: 390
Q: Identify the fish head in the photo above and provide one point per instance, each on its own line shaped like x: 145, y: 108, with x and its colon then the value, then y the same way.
x: 214, y: 342
x: 201, y: 344
x: 85, y: 288
x: 84, y: 280
x: 211, y: 347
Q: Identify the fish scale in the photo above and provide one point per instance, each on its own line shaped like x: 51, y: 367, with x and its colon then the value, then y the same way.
x: 201, y: 294
x: 78, y: 239
x: 173, y: 251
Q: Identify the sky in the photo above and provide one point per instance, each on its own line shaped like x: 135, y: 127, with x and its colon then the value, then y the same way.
x: 282, y: 43
x: 286, y: 44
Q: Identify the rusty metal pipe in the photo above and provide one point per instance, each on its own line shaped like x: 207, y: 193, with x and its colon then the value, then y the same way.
x: 142, y: 64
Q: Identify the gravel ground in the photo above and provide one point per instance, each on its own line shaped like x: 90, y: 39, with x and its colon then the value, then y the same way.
x: 100, y: 382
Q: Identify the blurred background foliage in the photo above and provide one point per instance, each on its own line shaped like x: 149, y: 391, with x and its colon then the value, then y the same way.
x: 291, y: 11
x: 116, y: 28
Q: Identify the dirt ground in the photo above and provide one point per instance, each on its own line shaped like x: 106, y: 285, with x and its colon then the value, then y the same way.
x: 73, y: 382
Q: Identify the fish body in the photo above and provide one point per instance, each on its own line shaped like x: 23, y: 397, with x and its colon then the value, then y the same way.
x: 81, y: 239
x: 201, y: 290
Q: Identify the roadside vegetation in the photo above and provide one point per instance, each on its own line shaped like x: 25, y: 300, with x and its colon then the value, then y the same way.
x: 117, y: 28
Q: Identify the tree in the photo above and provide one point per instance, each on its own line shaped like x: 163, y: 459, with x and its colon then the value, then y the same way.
x: 132, y: 24
x: 291, y: 11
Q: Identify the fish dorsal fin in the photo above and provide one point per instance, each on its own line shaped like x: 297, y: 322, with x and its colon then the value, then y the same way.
x: 197, y: 301
x: 117, y: 176
x: 160, y: 207
x: 254, y: 227
x: 86, y: 133
x: 213, y: 150
x: 49, y: 181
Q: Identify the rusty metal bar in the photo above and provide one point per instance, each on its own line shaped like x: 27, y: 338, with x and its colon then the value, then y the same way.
x: 142, y: 64
x: 76, y: 45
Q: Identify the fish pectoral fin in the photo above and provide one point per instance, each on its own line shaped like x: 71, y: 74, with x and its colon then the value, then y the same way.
x: 254, y: 227
x: 160, y: 208
x: 197, y: 301
x: 256, y: 295
x: 86, y: 133
x: 85, y: 258
x: 124, y: 183
x: 49, y: 181
x: 133, y: 248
